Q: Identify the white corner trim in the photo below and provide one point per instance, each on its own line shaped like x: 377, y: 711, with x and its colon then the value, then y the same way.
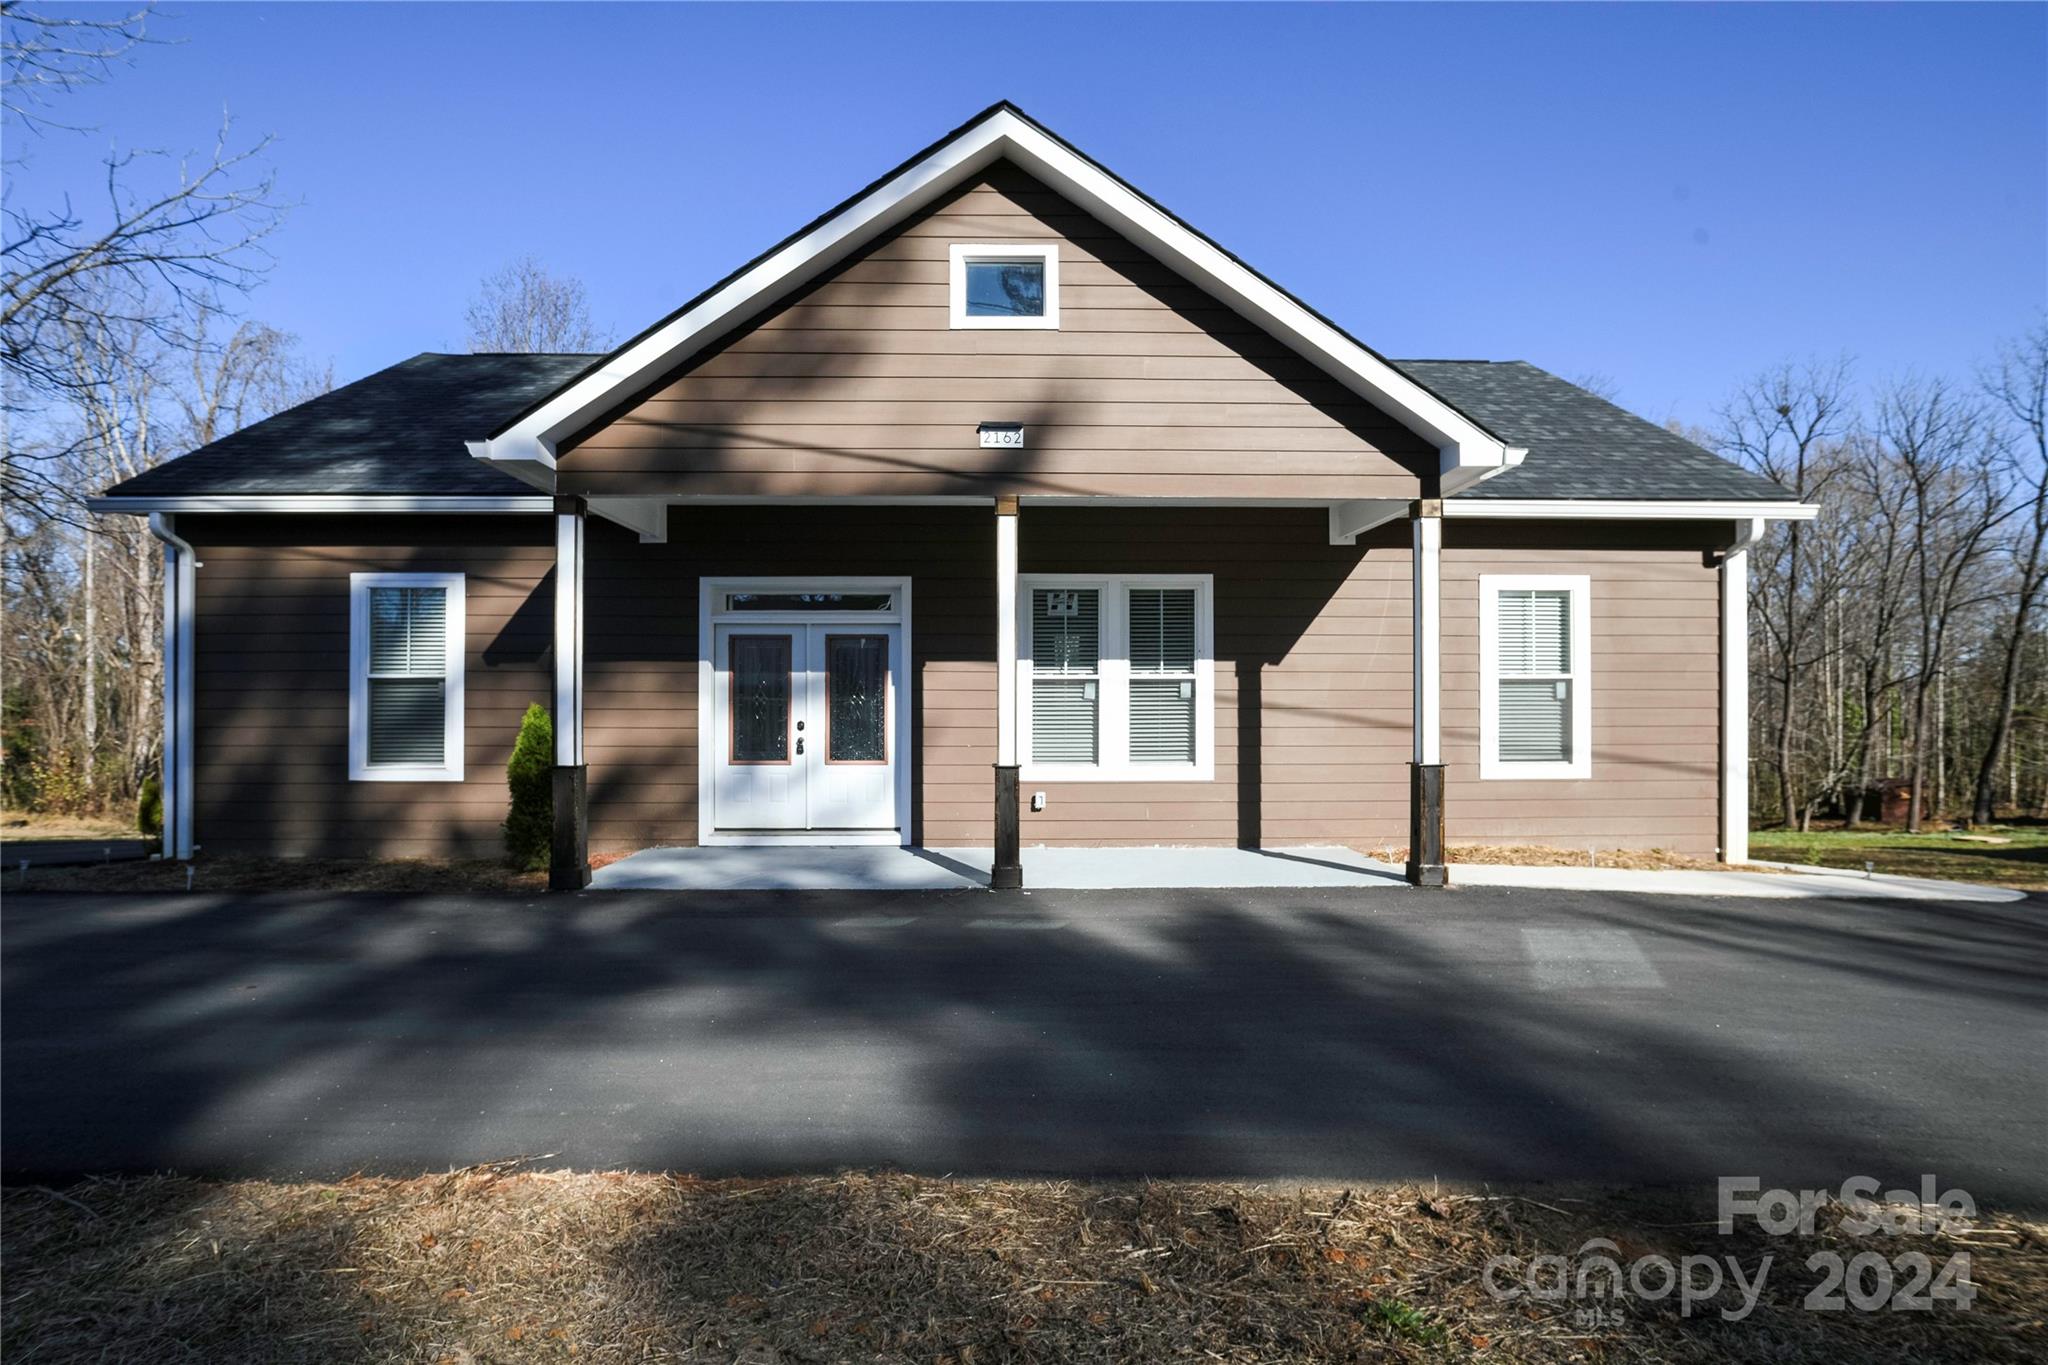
x: 493, y: 505
x: 1580, y: 765
x: 453, y: 691
x: 1735, y: 694
x: 1113, y: 679
x: 1462, y: 443
x: 960, y: 255
x: 1425, y: 578
x: 1617, y: 509
x: 180, y: 630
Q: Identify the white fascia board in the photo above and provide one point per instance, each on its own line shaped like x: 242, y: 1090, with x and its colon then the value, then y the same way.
x: 1466, y: 449
x: 325, y: 502
x: 1586, y: 509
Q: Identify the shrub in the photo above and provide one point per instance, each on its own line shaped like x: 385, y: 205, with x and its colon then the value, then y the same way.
x: 530, y: 827
x: 149, y: 808
x: 60, y: 786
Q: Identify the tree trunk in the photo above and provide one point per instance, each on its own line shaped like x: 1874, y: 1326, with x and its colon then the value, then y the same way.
x: 1916, y: 753
x: 1981, y: 811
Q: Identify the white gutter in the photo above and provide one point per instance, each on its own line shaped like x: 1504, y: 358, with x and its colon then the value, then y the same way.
x: 1735, y: 690
x: 492, y: 505
x: 181, y: 564
x: 1615, y: 509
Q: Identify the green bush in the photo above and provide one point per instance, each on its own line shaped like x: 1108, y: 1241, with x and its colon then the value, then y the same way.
x: 530, y: 828
x: 149, y: 808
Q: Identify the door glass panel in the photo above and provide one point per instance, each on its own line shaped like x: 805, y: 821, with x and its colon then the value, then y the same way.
x: 810, y: 601
x: 760, y: 698
x: 857, y: 695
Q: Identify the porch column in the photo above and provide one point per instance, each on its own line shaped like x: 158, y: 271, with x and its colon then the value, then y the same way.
x: 1007, y: 871
x: 569, y: 860
x: 1426, y: 771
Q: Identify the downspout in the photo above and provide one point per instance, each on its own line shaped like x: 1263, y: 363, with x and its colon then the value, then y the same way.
x: 181, y: 563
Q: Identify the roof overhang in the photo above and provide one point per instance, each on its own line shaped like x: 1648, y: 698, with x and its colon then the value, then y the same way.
x: 527, y: 448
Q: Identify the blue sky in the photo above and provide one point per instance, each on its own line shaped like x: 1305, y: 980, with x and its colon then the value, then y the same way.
x: 1674, y: 196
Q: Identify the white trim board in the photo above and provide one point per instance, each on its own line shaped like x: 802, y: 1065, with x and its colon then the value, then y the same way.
x: 1618, y: 509
x: 1468, y: 452
x: 495, y: 505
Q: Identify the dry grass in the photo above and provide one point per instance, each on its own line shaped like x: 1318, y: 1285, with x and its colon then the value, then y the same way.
x: 1537, y: 855
x: 490, y: 1265
x: 238, y: 872
x: 26, y: 825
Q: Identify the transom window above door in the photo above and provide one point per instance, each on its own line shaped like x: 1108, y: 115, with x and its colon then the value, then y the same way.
x: 1116, y: 678
x: 1005, y: 285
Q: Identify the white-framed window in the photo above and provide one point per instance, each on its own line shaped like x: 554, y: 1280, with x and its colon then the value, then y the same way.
x: 1535, y: 676
x: 1116, y: 677
x: 405, y: 677
x: 1006, y: 285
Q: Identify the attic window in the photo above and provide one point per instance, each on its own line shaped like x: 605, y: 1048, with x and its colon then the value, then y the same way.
x: 1006, y: 286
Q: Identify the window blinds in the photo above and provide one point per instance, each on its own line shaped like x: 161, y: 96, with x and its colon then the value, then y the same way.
x: 1066, y: 652
x: 1162, y: 624
x: 1535, y: 675
x: 408, y: 675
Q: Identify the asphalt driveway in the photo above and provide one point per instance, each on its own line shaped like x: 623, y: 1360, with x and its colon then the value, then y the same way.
x: 1479, y: 1034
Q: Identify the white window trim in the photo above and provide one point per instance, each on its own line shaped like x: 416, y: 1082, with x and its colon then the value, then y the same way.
x: 1113, y: 690
x: 1046, y: 252
x: 359, y: 766
x: 1580, y: 765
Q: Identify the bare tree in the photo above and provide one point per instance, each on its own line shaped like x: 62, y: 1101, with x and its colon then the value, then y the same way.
x: 1940, y: 441
x: 1778, y: 424
x: 2017, y: 384
x: 159, y: 260
x: 524, y: 308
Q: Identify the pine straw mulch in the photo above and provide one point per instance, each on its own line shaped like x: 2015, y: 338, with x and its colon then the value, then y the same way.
x: 1538, y: 855
x: 494, y: 1265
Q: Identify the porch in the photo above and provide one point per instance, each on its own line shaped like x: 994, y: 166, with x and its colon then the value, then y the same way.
x: 875, y: 868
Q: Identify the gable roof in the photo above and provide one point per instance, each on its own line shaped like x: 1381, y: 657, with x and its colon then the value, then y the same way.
x: 399, y: 432
x: 1580, y: 445
x: 527, y: 444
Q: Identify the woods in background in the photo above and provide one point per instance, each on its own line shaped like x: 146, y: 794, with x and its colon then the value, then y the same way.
x: 1896, y: 642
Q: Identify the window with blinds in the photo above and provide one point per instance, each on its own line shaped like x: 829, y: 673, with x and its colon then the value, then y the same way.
x: 1537, y: 678
x: 1162, y: 711
x: 406, y: 695
x: 1066, y: 674
x: 1116, y: 678
x: 408, y: 675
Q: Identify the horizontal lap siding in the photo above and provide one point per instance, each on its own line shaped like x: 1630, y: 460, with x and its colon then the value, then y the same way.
x: 860, y: 386
x: 271, y: 667
x: 1656, y: 696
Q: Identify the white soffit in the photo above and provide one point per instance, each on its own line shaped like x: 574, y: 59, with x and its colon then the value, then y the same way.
x: 1468, y: 451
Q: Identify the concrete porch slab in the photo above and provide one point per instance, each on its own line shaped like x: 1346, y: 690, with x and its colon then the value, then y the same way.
x: 871, y: 868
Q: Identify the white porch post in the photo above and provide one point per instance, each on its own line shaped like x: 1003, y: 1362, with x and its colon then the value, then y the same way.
x: 1007, y: 870
x: 1735, y: 694
x: 1426, y: 770
x: 569, y: 861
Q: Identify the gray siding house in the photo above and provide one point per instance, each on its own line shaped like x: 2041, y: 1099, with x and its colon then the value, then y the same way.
x: 996, y: 506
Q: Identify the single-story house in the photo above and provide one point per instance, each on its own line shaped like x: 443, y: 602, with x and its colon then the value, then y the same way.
x: 996, y: 506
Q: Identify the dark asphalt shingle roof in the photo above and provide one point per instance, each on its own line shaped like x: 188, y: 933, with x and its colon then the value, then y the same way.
x: 398, y: 431
x: 1580, y: 445
x: 402, y: 431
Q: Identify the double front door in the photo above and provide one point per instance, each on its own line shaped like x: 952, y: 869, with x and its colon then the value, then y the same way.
x: 806, y: 720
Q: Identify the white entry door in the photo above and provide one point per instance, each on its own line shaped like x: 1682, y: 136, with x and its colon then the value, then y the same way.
x: 805, y: 720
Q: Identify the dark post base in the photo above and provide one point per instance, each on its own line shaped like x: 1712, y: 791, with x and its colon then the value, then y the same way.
x: 1007, y: 874
x: 569, y: 858
x: 1426, y: 825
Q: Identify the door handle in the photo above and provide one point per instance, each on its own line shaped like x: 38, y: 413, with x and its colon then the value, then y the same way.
x: 799, y: 743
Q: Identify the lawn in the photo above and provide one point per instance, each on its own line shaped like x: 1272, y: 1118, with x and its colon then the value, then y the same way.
x: 1954, y: 854
x: 495, y: 1264
x: 27, y: 825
